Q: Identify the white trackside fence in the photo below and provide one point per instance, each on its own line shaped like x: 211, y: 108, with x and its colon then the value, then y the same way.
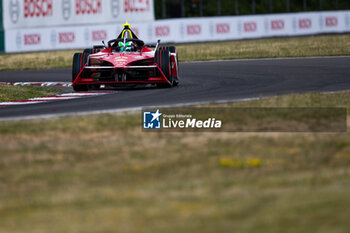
x: 244, y: 27
x: 48, y: 13
x: 55, y: 27
x: 30, y: 25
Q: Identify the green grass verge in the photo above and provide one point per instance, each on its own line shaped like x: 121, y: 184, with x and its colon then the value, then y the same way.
x: 329, y: 45
x: 11, y: 93
x: 101, y: 173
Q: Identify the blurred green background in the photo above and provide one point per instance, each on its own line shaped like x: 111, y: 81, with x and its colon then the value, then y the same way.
x: 197, y: 8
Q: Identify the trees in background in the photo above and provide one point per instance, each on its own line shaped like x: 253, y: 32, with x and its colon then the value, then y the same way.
x: 198, y: 8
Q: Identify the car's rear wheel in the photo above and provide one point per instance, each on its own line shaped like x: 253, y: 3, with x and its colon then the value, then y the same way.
x: 79, y: 61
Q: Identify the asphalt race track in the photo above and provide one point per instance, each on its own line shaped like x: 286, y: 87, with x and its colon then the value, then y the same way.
x: 200, y: 82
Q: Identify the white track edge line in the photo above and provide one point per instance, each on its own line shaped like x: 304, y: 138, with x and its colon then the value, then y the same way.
x: 136, y: 109
x: 122, y: 110
x: 268, y: 59
x: 47, y: 99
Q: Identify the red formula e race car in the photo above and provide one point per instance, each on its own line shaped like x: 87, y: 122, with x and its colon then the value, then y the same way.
x: 125, y: 61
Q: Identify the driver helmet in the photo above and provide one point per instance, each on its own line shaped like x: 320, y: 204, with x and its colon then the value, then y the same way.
x: 126, y: 47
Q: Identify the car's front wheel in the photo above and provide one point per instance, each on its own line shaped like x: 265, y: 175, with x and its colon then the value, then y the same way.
x: 79, y: 61
x: 163, y: 60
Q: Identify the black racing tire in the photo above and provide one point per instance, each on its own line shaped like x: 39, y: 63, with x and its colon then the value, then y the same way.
x: 162, y: 58
x: 91, y: 51
x: 79, y: 88
x: 166, y: 64
x: 157, y: 56
x: 172, y: 49
x: 99, y: 47
x: 174, y: 80
x: 77, y: 65
x: 79, y: 60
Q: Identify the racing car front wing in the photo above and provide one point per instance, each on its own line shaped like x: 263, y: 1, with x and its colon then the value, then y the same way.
x: 112, y: 76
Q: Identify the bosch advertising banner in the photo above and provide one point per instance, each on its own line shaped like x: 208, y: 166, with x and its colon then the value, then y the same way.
x: 45, y: 13
x: 177, y: 30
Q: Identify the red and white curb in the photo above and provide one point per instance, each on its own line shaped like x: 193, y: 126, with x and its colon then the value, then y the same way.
x: 42, y: 84
x: 64, y: 96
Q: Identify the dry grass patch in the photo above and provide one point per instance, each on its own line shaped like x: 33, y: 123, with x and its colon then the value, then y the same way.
x: 330, y: 45
x: 37, y: 60
x: 102, y: 173
x: 11, y: 93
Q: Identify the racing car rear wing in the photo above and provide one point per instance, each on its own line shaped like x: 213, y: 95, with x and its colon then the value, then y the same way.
x: 112, y: 67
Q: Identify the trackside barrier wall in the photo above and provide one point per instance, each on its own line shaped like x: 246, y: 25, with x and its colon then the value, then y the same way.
x: 38, y: 16
x: 178, y: 30
x: 19, y: 14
